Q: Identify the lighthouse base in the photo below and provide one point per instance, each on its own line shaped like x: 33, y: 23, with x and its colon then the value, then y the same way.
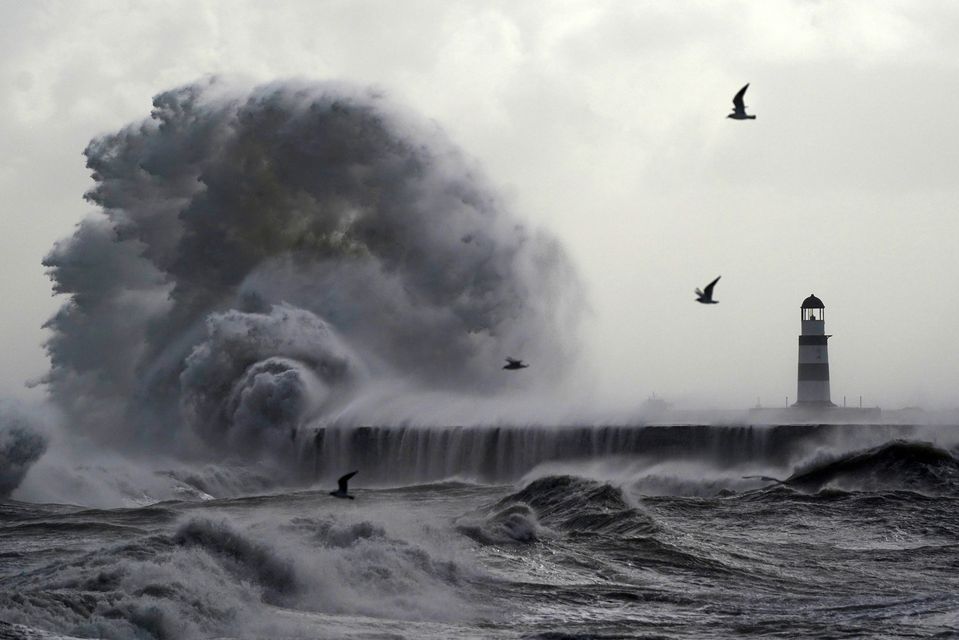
x: 815, y: 413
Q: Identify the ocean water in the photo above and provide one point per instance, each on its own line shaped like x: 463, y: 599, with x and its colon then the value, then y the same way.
x: 477, y: 536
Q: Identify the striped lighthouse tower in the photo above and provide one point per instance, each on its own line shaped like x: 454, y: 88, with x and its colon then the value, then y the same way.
x: 813, y: 356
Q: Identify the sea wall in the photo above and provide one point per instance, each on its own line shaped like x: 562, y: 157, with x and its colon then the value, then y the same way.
x: 504, y: 454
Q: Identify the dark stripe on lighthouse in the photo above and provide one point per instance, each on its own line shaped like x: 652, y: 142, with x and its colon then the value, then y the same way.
x: 814, y: 371
x: 815, y: 340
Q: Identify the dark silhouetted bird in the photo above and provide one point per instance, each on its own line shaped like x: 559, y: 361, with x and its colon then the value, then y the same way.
x: 739, y: 109
x: 706, y: 297
x: 513, y: 364
x: 342, y: 482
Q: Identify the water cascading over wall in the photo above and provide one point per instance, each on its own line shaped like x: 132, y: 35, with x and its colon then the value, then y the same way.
x: 504, y: 454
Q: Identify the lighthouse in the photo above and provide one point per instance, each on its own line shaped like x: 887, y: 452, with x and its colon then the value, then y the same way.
x: 813, y: 387
x: 814, y: 405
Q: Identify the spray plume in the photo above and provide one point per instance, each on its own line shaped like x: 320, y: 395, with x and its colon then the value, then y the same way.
x: 262, y: 257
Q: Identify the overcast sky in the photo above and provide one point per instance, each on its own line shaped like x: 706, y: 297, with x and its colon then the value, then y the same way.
x: 603, y: 122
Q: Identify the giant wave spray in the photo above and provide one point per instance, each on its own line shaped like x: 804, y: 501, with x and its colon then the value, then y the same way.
x: 263, y: 257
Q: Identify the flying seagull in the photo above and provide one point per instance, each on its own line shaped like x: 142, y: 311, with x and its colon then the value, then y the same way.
x: 739, y: 109
x: 513, y: 364
x: 706, y: 297
x: 342, y: 482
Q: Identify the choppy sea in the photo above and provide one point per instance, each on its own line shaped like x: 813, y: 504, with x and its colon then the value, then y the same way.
x: 855, y: 542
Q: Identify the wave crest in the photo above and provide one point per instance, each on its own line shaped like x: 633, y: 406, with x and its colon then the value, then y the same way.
x: 897, y: 465
x: 562, y: 503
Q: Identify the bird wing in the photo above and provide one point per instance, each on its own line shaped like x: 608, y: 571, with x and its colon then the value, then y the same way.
x: 709, y: 287
x: 512, y: 361
x: 738, y: 104
x: 342, y: 482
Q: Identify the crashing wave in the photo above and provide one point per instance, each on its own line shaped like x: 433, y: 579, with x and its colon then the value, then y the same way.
x: 20, y: 446
x: 211, y: 577
x: 264, y: 256
x: 561, y: 503
x: 513, y: 523
x: 899, y: 465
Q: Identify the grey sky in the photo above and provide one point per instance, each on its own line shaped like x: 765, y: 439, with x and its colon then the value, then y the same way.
x: 603, y: 122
